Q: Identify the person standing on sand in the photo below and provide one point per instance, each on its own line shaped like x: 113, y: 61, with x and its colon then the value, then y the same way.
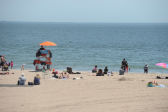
x: 146, y: 69
x: 22, y: 67
x: 124, y: 65
x: 105, y: 70
x: 11, y: 64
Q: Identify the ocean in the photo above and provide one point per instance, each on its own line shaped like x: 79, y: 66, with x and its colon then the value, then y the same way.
x: 84, y: 45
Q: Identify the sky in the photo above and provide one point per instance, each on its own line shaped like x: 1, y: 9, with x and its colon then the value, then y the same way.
x: 113, y: 11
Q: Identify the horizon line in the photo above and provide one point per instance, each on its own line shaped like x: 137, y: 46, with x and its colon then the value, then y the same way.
x: 84, y: 22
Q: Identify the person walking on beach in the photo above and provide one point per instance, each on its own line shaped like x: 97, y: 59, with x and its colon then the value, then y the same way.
x: 146, y: 69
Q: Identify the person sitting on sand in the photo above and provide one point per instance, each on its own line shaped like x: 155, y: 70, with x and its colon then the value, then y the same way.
x: 37, y: 80
x: 22, y: 80
x: 155, y: 84
x: 55, y: 73
x: 64, y: 75
x: 5, y: 67
x: 100, y: 73
x: 105, y: 70
x: 94, y: 70
x: 152, y: 84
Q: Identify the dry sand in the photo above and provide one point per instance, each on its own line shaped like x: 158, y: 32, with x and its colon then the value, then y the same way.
x: 118, y: 93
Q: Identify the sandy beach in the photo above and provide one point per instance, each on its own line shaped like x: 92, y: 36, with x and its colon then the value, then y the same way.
x: 117, y: 93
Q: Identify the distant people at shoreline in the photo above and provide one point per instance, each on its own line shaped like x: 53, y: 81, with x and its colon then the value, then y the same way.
x: 146, y: 69
x: 100, y: 73
x: 11, y: 64
x: 3, y: 61
x: 124, y: 65
x: 4, y: 64
x: 105, y: 70
x: 94, y: 70
x: 22, y: 67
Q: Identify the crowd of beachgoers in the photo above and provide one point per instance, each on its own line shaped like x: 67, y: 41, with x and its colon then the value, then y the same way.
x: 65, y: 74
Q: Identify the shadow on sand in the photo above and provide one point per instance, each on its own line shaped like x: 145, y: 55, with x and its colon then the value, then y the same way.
x: 14, y: 85
x: 34, y: 71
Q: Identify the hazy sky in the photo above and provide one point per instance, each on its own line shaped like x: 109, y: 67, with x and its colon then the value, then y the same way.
x: 84, y: 10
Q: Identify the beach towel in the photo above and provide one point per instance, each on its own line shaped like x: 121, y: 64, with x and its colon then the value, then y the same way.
x: 161, y: 86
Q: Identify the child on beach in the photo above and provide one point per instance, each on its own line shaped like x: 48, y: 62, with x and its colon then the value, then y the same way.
x: 22, y: 67
x: 11, y: 64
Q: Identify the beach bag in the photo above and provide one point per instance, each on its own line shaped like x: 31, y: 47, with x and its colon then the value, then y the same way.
x: 121, y: 72
x: 158, y: 77
x: 30, y: 83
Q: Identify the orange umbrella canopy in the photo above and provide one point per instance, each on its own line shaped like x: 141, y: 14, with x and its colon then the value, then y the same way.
x: 48, y: 43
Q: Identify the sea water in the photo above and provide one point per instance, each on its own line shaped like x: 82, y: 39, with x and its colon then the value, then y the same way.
x: 84, y: 45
